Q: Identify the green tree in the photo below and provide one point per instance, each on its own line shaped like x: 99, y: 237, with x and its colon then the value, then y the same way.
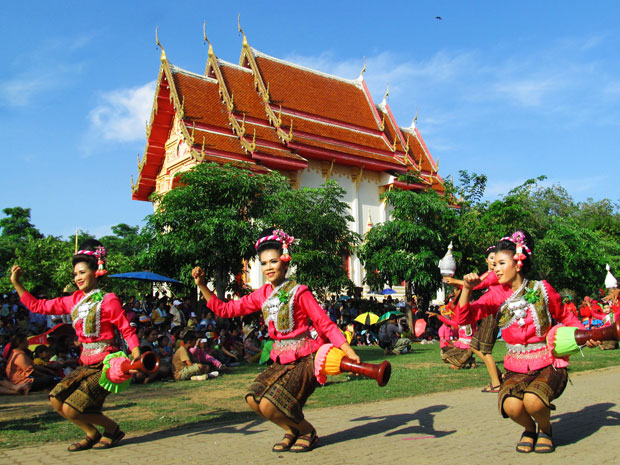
x: 569, y: 257
x: 210, y: 220
x: 17, y: 224
x: 408, y: 247
x: 318, y: 219
x: 16, y: 228
x: 46, y: 263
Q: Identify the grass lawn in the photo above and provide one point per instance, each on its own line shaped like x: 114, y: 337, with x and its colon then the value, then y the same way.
x: 26, y: 420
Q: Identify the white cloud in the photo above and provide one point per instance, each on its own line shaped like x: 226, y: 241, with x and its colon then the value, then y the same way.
x: 27, y: 87
x: 48, y: 67
x: 121, y: 114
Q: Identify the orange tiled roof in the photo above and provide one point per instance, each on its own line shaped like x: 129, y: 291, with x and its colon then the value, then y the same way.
x: 332, y: 119
x: 314, y: 92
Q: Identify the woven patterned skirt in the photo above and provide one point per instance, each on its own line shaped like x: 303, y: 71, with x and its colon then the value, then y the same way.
x: 456, y: 356
x: 286, y: 386
x: 485, y: 335
x: 547, y: 383
x: 81, y: 389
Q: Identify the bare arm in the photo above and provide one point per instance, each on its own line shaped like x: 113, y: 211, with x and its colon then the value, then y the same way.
x: 199, y: 278
x: 16, y: 274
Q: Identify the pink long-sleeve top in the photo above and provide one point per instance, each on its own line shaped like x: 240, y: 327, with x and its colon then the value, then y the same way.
x: 112, y: 315
x: 488, y: 279
x: 527, y: 349
x: 307, y: 315
x: 446, y: 333
x: 465, y: 332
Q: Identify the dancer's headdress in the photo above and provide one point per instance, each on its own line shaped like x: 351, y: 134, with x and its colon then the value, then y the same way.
x: 278, y: 236
x: 518, y: 239
x: 100, y: 253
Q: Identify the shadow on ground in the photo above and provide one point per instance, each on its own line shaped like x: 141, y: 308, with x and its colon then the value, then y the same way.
x: 572, y: 427
x: 398, y: 424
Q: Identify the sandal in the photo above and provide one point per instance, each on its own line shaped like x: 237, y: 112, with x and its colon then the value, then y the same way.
x: 530, y: 445
x: 114, y: 438
x: 312, y: 440
x: 542, y: 448
x: 85, y: 444
x: 287, y: 441
x: 490, y: 388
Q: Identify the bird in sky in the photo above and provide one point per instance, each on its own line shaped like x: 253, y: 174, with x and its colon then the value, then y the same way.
x: 438, y: 17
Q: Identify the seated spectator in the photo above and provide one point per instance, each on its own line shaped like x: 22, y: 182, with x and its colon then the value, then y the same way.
x: 150, y: 341
x: 160, y: 314
x: 200, y: 353
x: 176, y: 313
x: 251, y: 345
x: 183, y: 364
x: 390, y: 340
x: 21, y: 369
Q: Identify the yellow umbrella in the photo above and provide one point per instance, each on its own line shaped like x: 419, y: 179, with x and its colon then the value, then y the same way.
x: 367, y: 318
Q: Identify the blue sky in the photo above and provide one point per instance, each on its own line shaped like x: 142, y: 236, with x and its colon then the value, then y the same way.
x: 513, y: 90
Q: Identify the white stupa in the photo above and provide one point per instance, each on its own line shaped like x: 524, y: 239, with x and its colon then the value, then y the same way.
x: 610, y: 281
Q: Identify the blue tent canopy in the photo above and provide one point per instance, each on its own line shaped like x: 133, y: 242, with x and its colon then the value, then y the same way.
x: 144, y: 276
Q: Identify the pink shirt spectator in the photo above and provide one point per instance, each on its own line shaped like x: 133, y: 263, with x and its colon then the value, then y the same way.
x: 446, y: 333
x: 201, y: 356
x: 464, y: 334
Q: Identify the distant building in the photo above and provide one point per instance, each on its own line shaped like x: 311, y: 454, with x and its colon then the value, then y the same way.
x: 276, y: 115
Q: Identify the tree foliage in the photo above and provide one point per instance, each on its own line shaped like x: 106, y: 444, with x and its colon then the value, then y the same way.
x: 318, y: 219
x: 572, y: 241
x: 211, y: 220
x: 409, y: 246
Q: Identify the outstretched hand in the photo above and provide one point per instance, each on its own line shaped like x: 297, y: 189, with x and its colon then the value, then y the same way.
x: 199, y: 276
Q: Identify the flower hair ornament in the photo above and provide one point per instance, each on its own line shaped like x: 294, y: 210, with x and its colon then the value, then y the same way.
x: 279, y: 236
x: 100, y: 253
x: 518, y: 239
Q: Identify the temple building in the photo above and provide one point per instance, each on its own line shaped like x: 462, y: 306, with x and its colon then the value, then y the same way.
x: 274, y: 115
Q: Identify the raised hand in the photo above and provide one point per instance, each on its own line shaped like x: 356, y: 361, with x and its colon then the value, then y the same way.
x: 471, y: 280
x: 199, y: 276
x: 16, y: 274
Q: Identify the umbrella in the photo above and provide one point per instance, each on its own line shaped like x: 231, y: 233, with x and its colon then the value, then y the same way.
x: 144, y: 276
x: 367, y: 318
x: 344, y: 297
x: 420, y: 327
x: 401, y: 305
x: 387, y: 315
x: 388, y: 291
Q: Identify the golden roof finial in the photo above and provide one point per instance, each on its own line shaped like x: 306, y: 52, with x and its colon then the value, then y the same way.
x: 290, y: 131
x: 245, y: 40
x: 387, y: 91
x: 253, y: 146
x: 415, y: 118
x: 204, y: 34
x: 364, y: 68
x: 163, y: 53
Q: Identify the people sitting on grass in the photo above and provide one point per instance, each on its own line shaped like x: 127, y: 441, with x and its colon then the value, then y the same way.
x: 183, y: 364
x: 390, y: 338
